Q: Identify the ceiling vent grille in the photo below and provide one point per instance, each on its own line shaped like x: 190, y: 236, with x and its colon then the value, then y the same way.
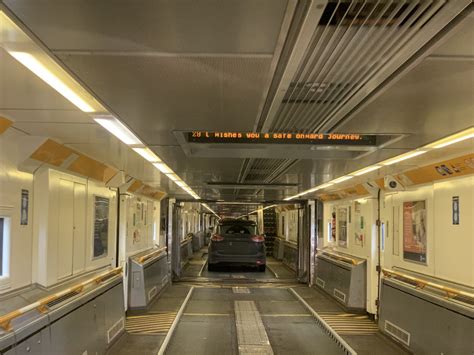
x: 354, y: 51
x: 353, y: 42
x: 339, y: 295
x: 397, y: 332
x: 115, y: 330
x: 152, y: 293
x: 320, y: 282
x: 62, y: 299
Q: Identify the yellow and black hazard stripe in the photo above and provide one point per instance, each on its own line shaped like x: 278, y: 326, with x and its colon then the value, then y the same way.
x: 150, y: 323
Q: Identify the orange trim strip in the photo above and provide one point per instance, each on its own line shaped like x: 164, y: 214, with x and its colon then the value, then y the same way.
x: 92, y: 168
x: 52, y: 153
x: 5, y: 123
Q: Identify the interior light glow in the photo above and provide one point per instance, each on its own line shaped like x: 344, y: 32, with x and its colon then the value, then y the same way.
x: 455, y: 138
x: 341, y: 179
x: 117, y: 128
x: 180, y: 183
x: 402, y: 157
x: 323, y: 186
x: 147, y: 154
x: 44, y: 74
x: 173, y: 177
x: 366, y: 170
x: 163, y: 168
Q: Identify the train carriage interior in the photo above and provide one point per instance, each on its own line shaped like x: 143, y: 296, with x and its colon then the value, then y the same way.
x: 236, y: 177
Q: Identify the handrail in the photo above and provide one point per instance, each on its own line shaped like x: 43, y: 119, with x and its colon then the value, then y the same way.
x: 347, y: 259
x: 420, y: 283
x: 42, y: 304
x: 290, y: 244
x: 186, y: 240
x: 146, y: 257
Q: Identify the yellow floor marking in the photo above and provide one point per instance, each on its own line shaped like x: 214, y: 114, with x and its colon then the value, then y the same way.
x: 151, y: 323
x: 350, y: 323
x: 286, y: 315
x: 206, y: 314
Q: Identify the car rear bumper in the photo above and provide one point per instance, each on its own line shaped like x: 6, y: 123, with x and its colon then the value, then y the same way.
x: 217, y: 258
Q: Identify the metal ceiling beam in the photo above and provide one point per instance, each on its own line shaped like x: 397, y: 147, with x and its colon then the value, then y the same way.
x: 311, y: 20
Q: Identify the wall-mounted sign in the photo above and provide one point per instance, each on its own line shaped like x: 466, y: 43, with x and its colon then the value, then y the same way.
x: 455, y: 209
x: 414, y: 231
x: 25, y: 201
x: 342, y: 226
x: 282, y: 138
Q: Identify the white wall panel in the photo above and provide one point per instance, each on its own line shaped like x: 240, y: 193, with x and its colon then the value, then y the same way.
x: 12, y: 182
x: 142, y: 221
x: 79, y: 228
x: 65, y: 229
x: 450, y: 247
x: 454, y: 244
x: 56, y: 242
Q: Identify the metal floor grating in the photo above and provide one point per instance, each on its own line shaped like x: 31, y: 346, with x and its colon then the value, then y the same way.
x: 349, y: 323
x: 150, y: 323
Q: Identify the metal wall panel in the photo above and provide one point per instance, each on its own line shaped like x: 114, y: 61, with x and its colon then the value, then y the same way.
x: 147, y: 281
x: 345, y: 283
x: 433, y: 325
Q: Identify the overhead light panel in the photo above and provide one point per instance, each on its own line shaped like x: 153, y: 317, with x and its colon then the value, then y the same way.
x: 323, y: 186
x: 455, y: 138
x: 52, y: 80
x: 163, y: 168
x: 180, y: 184
x: 147, y: 154
x: 341, y: 179
x: 403, y: 157
x: 118, y: 129
x: 366, y: 170
x: 173, y: 177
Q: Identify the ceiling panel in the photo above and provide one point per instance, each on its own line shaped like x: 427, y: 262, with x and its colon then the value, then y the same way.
x: 204, y: 26
x: 461, y: 41
x: 434, y: 100
x: 46, y: 116
x: 156, y: 95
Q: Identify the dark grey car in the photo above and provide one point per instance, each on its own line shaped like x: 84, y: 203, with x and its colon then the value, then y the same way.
x: 236, y: 242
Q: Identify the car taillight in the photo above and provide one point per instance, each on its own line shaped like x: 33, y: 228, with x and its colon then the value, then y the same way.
x: 258, y: 238
x: 217, y: 238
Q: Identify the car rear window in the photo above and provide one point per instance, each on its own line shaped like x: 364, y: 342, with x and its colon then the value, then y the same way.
x: 237, y: 229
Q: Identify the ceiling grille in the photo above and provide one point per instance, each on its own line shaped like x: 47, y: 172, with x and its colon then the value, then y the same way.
x: 355, y: 47
x: 352, y: 43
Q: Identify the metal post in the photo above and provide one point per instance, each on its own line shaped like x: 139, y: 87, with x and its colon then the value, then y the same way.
x: 312, y: 240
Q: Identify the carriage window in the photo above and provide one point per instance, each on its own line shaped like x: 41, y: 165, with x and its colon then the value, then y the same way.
x: 237, y: 229
x: 101, y: 226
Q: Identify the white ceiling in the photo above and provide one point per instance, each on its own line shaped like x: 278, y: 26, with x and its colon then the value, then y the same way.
x: 207, y: 65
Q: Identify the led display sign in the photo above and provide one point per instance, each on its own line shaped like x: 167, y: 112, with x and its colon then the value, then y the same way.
x: 281, y: 138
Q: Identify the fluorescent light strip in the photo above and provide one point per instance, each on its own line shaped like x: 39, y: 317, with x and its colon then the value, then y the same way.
x: 210, y: 209
x: 173, y: 177
x: 403, y: 157
x: 44, y: 74
x: 163, y: 168
x: 110, y: 123
x: 341, y: 179
x: 456, y: 138
x: 147, y: 154
x: 366, y: 170
x: 117, y: 128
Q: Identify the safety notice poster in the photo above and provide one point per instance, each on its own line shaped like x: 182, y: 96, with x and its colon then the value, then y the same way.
x: 414, y: 231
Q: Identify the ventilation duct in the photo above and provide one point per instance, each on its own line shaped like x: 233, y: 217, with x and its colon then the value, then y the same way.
x: 337, y: 66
